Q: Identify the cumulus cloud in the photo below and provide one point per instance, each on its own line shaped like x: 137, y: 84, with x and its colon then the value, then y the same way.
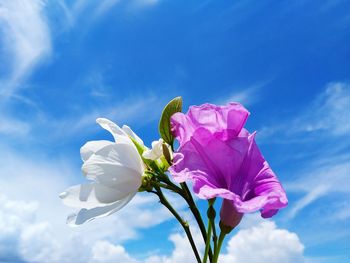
x: 105, y: 252
x: 261, y: 242
x: 182, y: 251
x: 23, y: 237
x: 35, y: 230
x: 264, y: 243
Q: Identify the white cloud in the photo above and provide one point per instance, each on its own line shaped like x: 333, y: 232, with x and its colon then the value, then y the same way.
x: 320, y: 180
x: 13, y: 127
x: 257, y: 241
x: 246, y: 97
x: 140, y: 110
x: 35, y: 229
x: 105, y: 6
x: 38, y: 244
x: 326, y: 122
x: 97, y: 9
x: 264, y: 243
x: 140, y: 3
x: 182, y: 250
x: 328, y: 114
x: 26, y: 39
x: 105, y: 252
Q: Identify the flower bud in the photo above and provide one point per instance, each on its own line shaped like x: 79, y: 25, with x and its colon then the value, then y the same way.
x: 228, y: 214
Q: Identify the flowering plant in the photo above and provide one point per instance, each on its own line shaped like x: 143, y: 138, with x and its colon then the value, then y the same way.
x: 216, y: 155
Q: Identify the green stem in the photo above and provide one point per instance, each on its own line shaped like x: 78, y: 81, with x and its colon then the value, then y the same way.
x: 197, y: 215
x: 217, y: 251
x: 207, y: 244
x: 169, y: 187
x: 183, y: 223
x: 215, y: 237
x: 211, y: 213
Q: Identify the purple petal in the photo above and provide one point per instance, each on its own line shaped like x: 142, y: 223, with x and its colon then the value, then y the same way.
x: 225, y: 122
x: 260, y: 188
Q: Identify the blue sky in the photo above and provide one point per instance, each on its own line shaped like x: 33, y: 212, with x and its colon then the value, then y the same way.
x: 64, y: 63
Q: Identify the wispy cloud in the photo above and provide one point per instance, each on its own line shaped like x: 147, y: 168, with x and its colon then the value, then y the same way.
x: 323, y: 130
x: 321, y: 180
x: 13, y: 127
x: 135, y: 111
x: 26, y: 39
x: 97, y: 9
x: 328, y: 114
x: 144, y: 3
x: 246, y: 96
x: 105, y: 6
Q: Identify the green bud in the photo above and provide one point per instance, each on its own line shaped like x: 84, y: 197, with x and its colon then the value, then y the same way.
x: 225, y: 229
x: 146, y: 184
x: 211, y: 213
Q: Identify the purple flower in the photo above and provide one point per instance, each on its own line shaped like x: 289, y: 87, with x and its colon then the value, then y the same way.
x: 222, y: 159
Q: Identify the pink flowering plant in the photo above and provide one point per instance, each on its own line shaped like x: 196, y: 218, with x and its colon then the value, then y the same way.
x: 216, y: 155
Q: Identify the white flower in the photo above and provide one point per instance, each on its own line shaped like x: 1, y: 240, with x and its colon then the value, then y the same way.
x: 116, y: 170
x: 156, y: 152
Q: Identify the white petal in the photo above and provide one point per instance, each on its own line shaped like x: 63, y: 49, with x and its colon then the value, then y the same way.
x: 93, y: 195
x: 85, y: 215
x: 156, y: 152
x: 150, y: 155
x: 133, y: 135
x: 157, y: 147
x: 92, y: 147
x: 118, y: 134
x: 115, y: 164
x: 114, y: 176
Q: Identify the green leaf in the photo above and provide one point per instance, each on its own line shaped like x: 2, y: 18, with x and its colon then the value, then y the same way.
x: 175, y: 105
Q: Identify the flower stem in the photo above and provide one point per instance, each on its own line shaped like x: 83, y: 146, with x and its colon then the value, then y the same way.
x: 217, y: 251
x: 207, y: 244
x: 183, y: 223
x: 197, y: 215
x: 215, y: 237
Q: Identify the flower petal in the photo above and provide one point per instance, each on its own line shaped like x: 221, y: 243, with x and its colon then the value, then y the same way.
x: 93, y: 195
x: 133, y: 135
x: 112, y: 160
x: 209, y: 159
x: 118, y: 133
x: 92, y: 147
x: 225, y: 122
x: 156, y: 152
x: 260, y: 188
x: 86, y: 215
x: 182, y: 127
